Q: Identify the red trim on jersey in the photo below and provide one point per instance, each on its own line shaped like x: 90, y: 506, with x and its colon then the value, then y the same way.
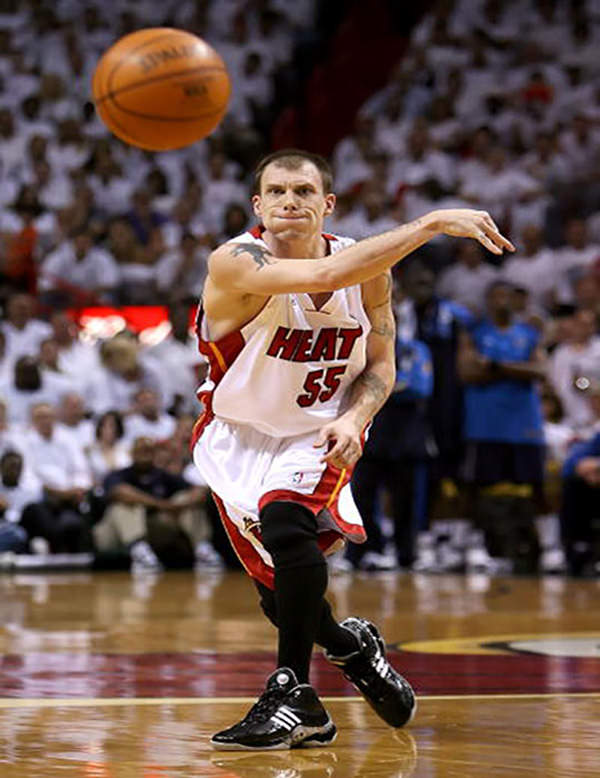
x: 254, y: 565
x: 221, y: 354
x: 258, y: 230
x: 203, y: 420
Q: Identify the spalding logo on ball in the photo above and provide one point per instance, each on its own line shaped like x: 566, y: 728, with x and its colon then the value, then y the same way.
x: 161, y: 88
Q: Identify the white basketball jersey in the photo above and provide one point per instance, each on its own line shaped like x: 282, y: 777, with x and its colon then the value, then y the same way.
x: 289, y: 370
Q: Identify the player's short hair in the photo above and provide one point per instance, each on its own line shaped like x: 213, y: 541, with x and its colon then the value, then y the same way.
x: 292, y: 159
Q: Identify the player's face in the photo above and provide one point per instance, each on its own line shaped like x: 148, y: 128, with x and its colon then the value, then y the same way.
x: 292, y: 204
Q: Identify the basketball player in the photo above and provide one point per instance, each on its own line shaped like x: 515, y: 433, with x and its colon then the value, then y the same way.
x: 298, y: 329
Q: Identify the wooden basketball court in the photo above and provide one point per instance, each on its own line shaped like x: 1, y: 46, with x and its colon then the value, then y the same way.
x: 109, y: 676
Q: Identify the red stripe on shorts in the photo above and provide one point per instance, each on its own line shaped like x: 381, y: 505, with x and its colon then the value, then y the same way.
x: 246, y: 553
x: 325, y: 495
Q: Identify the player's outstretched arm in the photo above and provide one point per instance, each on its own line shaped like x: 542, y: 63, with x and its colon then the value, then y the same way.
x: 250, y: 268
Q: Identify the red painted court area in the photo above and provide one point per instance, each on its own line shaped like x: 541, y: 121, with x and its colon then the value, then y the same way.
x: 212, y: 674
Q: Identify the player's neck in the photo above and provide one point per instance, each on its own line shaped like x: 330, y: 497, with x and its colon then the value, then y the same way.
x: 313, y: 247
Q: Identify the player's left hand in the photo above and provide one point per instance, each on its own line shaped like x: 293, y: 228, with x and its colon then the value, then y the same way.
x: 346, y: 448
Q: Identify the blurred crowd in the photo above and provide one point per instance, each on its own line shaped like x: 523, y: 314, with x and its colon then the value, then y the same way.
x: 486, y: 457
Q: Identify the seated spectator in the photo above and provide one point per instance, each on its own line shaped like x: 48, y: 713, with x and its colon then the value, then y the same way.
x: 23, y: 332
x: 53, y: 188
x: 51, y: 372
x: 558, y: 438
x: 177, y: 358
x: 108, y: 452
x: 574, y: 258
x: 5, y: 364
x: 533, y: 267
x: 75, y: 358
x: 9, y: 435
x: 73, y: 420
x: 151, y: 513
x: 223, y: 189
x: 122, y: 373
x: 60, y: 465
x: 373, y: 213
x: 143, y: 219
x: 78, y: 273
x: 500, y: 360
x: 573, y: 364
x: 147, y: 419
x: 422, y: 162
x: 467, y: 279
x: 23, y: 229
x: 235, y: 222
x: 17, y: 494
x: 111, y: 187
x: 26, y: 388
x: 185, y: 219
x: 180, y: 273
x: 580, y: 508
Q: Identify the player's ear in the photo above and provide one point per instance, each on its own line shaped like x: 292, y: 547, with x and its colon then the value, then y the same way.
x: 330, y: 200
x: 257, y: 205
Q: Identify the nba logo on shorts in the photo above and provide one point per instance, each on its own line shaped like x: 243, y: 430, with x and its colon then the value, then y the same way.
x: 297, y: 478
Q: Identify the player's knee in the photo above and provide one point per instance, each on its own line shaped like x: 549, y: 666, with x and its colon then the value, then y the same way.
x: 289, y: 534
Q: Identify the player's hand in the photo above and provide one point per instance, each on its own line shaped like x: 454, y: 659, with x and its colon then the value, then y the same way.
x: 346, y: 448
x: 467, y: 223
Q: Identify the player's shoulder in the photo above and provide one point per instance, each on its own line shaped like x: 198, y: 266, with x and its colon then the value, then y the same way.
x: 249, y: 236
x: 338, y: 242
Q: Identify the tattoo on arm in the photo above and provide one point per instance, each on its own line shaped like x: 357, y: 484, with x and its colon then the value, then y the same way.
x: 259, y: 254
x: 380, y: 313
x: 373, y: 386
x: 383, y: 324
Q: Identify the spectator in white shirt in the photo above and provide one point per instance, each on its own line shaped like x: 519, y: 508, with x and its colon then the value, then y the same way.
x: 147, y: 419
x: 235, y: 221
x: 373, y: 214
x: 10, y: 436
x: 26, y: 388
x: 180, y: 273
x: 75, y: 358
x: 12, y: 145
x: 222, y: 190
x: 18, y: 486
x: 22, y: 331
x: 467, y: 279
x: 500, y: 186
x: 18, y: 497
x: 107, y: 451
x: 72, y: 420
x: 62, y: 468
x: 111, y: 187
x: 577, y: 255
x: 114, y: 384
x: 533, y: 268
x: 77, y: 271
x: 52, y: 375
x: 422, y: 162
x: 54, y: 189
x: 574, y: 365
x: 180, y: 363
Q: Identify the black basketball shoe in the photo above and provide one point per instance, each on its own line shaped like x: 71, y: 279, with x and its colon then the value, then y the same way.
x: 286, y: 715
x: 387, y: 692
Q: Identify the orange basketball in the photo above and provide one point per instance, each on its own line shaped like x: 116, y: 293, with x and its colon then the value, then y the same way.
x: 161, y: 88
